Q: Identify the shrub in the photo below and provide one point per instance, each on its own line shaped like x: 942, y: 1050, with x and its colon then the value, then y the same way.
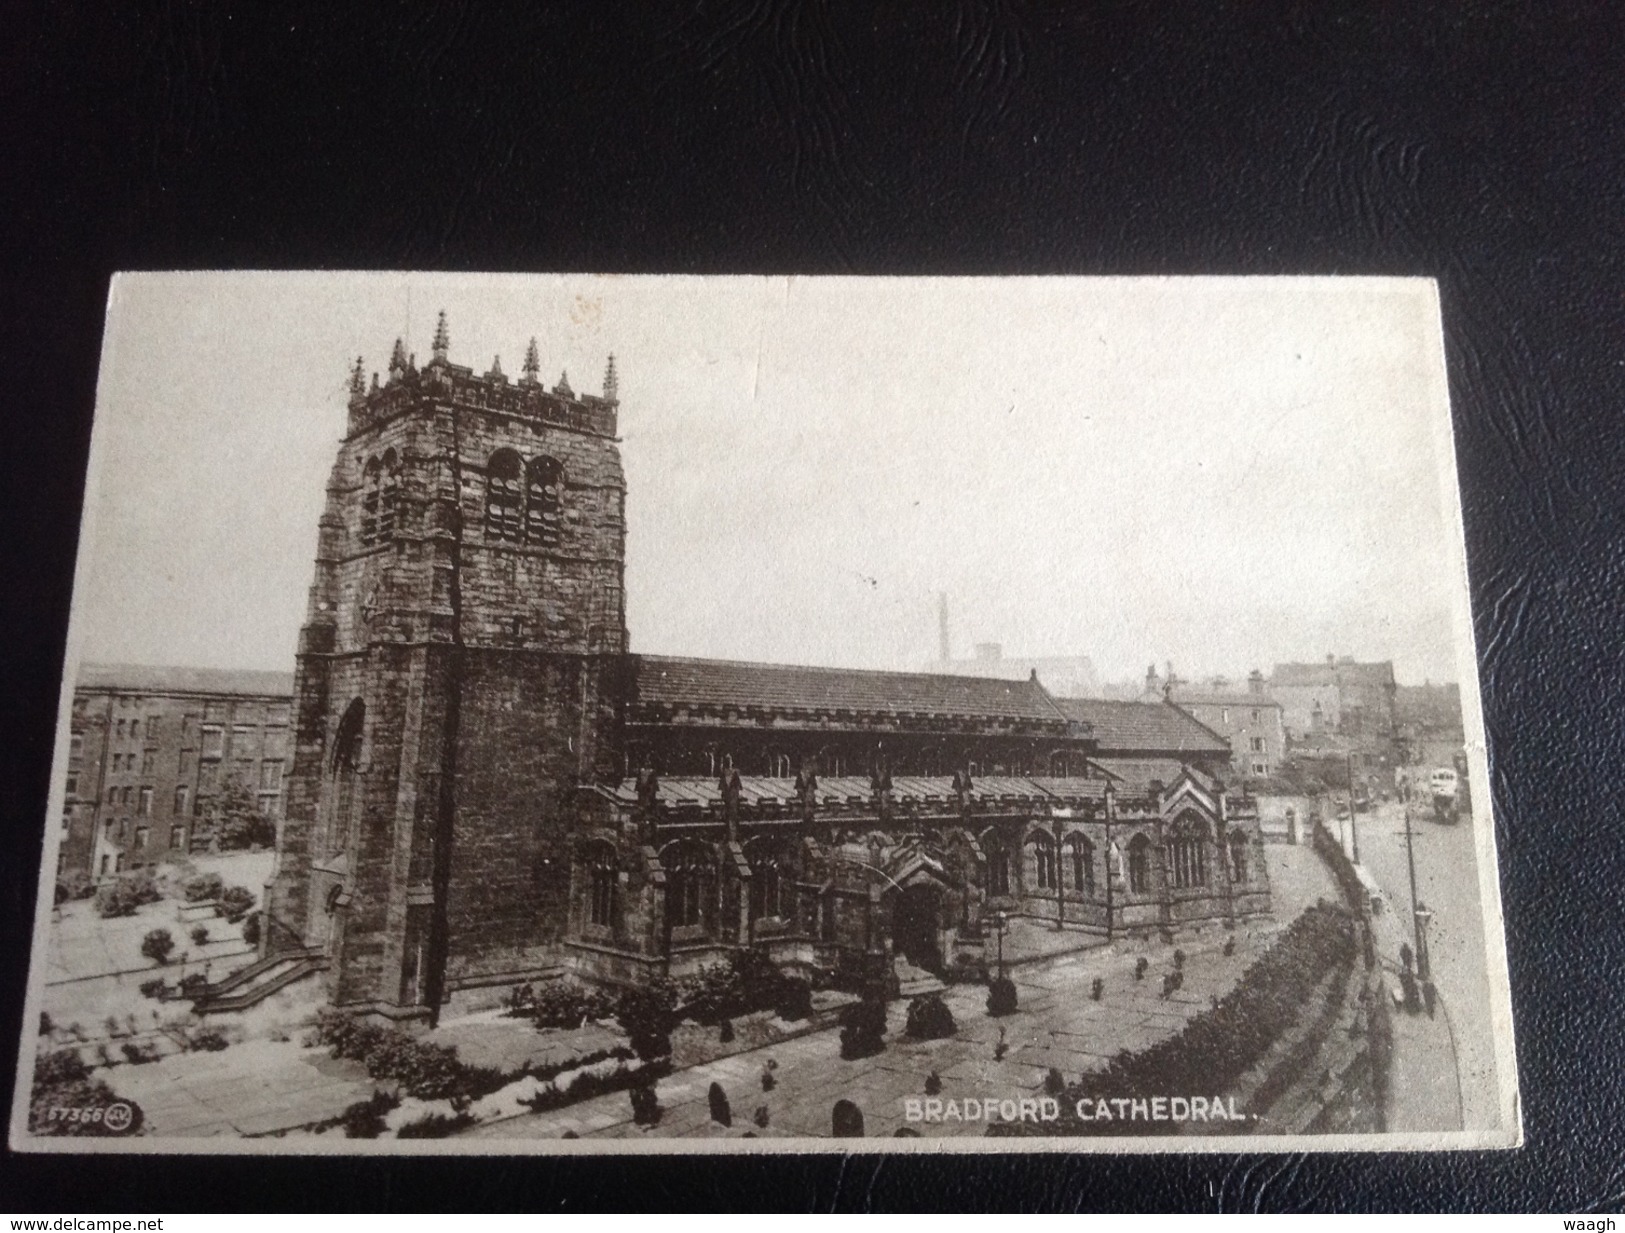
x: 760, y: 1117
x: 846, y: 1120
x: 427, y: 1071
x: 1179, y: 959
x: 203, y: 887
x: 646, y: 1108
x: 933, y: 1084
x: 158, y: 945
x: 365, y: 1118
x: 1001, y: 997
x: 794, y: 1002
x: 194, y: 985
x: 1097, y: 988
x: 116, y: 899
x: 62, y: 1081
x: 564, y: 1006
x: 75, y: 884
x: 60, y: 1066
x: 136, y: 1054
x: 863, y: 1028
x: 200, y: 935
x: 721, y: 1111
x: 1230, y: 946
x: 769, y: 1081
x: 235, y: 901
x: 45, y: 1025
x: 647, y: 1016
x: 1054, y: 1082
x: 435, y: 1125
x: 251, y: 929
x: 209, y: 1040
x: 1141, y: 966
x: 929, y: 1018
x: 153, y: 988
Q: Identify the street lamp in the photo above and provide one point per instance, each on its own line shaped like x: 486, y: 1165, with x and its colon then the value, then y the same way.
x: 999, y: 922
x: 1424, y: 915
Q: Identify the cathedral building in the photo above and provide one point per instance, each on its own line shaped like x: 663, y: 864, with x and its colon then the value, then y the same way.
x: 487, y: 787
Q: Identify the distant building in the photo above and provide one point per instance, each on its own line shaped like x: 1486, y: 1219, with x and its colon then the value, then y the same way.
x: 1250, y: 719
x: 1429, y: 723
x: 151, y: 748
x: 1066, y: 676
x: 1338, y: 697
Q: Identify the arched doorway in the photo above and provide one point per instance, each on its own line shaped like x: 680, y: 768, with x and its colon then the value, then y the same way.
x: 916, y: 918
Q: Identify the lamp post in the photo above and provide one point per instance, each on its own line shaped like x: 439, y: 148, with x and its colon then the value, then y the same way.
x: 1420, y: 915
x: 999, y: 922
x: 1424, y: 968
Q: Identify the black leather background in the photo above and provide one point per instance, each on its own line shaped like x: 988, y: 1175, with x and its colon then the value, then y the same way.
x: 1480, y: 143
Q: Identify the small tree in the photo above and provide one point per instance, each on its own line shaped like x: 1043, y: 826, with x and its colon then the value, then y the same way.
x: 721, y: 1110
x: 235, y: 901
x: 236, y: 820
x: 200, y: 935
x: 1001, y: 997
x: 251, y: 929
x: 157, y: 946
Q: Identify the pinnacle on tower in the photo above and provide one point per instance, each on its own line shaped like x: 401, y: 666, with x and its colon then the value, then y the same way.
x: 563, y: 387
x: 358, y: 379
x: 442, y: 339
x: 397, y: 361
x: 533, y: 363
x: 496, y: 367
x: 612, y: 381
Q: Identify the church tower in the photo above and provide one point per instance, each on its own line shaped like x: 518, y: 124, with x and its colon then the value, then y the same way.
x: 456, y: 680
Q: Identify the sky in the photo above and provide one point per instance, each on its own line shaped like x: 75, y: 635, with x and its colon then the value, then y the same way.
x: 1220, y: 473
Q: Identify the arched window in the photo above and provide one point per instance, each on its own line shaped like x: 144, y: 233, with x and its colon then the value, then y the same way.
x: 181, y: 793
x: 781, y: 766
x: 389, y: 495
x: 346, y: 761
x: 1082, y: 855
x: 1238, y: 856
x: 691, y: 880
x: 998, y: 863
x: 1044, y: 870
x: 371, y: 478
x: 602, y: 884
x: 1187, y: 853
x: 771, y: 878
x: 1139, y: 865
x: 504, y: 502
x: 135, y: 729
x: 544, y: 501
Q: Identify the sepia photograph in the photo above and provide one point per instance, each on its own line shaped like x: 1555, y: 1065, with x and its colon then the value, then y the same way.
x: 578, y: 713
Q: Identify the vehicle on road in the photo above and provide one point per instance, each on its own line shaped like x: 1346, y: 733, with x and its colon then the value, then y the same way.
x: 1444, y: 783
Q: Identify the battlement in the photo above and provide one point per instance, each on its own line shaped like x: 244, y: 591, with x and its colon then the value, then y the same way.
x: 441, y: 381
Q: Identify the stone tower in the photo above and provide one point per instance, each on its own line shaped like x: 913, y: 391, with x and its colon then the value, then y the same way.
x: 456, y: 680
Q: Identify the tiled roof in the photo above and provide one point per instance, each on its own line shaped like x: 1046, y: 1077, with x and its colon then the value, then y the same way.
x: 702, y: 790
x: 721, y: 683
x: 1381, y: 673
x: 143, y: 678
x: 1138, y: 773
x: 1241, y: 698
x: 1143, y: 727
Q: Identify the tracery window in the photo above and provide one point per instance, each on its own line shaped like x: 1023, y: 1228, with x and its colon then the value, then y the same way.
x: 998, y: 864
x: 690, y: 883
x: 771, y: 875
x: 346, y: 763
x: 602, y: 883
x: 1082, y: 854
x: 1044, y: 864
x: 544, y: 501
x: 1139, y: 865
x: 504, y: 499
x: 1187, y: 854
x: 1238, y: 856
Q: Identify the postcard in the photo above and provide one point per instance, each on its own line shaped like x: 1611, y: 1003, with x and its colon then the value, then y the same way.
x: 572, y: 713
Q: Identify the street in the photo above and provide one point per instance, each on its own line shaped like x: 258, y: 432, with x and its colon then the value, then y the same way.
x: 1447, y: 883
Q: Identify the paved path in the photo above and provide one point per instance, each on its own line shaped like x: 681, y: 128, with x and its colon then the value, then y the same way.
x: 1058, y: 1025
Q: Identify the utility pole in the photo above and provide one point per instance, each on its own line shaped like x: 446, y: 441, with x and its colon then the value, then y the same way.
x: 1354, y: 825
x: 1416, y: 910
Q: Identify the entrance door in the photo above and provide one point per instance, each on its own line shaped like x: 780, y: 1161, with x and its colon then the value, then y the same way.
x: 914, y: 926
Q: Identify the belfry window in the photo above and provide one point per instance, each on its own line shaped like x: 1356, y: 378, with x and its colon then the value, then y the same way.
x: 389, y: 495
x: 504, y: 501
x: 602, y: 880
x: 544, y: 501
x: 371, y: 479
x: 1187, y: 854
